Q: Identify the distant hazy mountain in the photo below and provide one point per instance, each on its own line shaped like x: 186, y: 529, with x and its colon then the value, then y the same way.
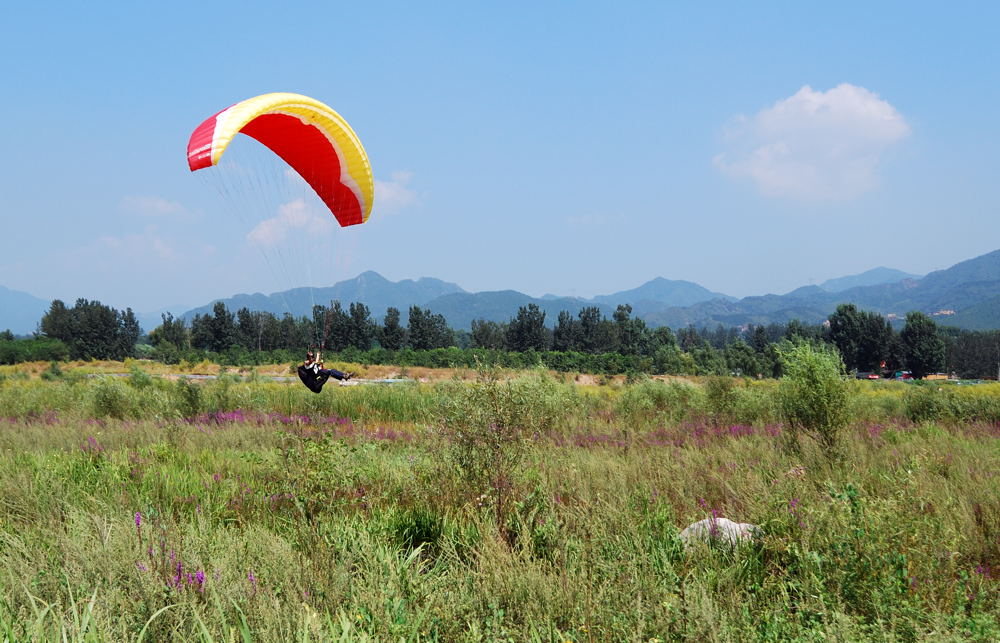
x: 662, y: 293
x: 152, y: 318
x: 965, y: 295
x: 872, y: 277
x: 371, y: 288
x: 972, y: 286
x: 20, y: 312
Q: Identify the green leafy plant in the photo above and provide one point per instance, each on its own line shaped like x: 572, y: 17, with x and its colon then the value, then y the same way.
x: 813, y: 396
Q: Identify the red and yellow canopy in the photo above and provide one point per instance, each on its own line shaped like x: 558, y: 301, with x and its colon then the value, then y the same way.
x: 308, y: 135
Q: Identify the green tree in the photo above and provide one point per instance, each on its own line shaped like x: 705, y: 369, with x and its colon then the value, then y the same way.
x: 708, y: 361
x: 361, y: 329
x: 845, y: 333
x: 392, y: 335
x: 973, y: 354
x: 875, y: 343
x: 688, y: 339
x: 488, y: 334
x: 795, y: 331
x: 631, y: 334
x: 250, y: 329
x: 865, y: 339
x: 526, y: 331
x: 759, y: 340
x: 128, y: 334
x: 660, y: 337
x: 270, y: 332
x: 172, y: 330
x: 566, y: 335
x: 427, y: 330
x: 57, y: 323
x: 223, y: 326
x: 201, y: 331
x: 668, y: 359
x: 741, y: 359
x: 923, y: 349
x: 596, y: 332
x: 332, y: 326
x: 92, y: 330
x: 293, y: 334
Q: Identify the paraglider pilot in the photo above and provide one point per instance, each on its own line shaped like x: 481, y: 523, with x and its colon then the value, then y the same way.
x: 314, y: 376
x: 315, y: 362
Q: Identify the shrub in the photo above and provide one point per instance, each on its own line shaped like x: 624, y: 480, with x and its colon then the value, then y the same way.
x: 111, y: 399
x: 653, y: 399
x: 489, y: 423
x: 138, y: 378
x: 721, y: 395
x: 53, y: 372
x: 925, y: 404
x: 187, y: 398
x: 813, y: 395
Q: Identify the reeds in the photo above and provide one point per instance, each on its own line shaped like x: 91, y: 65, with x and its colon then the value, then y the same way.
x: 129, y: 511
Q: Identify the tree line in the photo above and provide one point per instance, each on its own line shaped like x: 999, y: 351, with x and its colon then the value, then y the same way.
x: 587, y: 341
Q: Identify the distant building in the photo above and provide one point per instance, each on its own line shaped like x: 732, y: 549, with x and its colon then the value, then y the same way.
x: 944, y: 311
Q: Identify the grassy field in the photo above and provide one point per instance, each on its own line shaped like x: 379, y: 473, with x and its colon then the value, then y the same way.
x: 143, y: 507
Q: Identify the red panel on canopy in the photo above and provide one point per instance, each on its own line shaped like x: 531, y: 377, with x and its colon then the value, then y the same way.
x: 312, y: 155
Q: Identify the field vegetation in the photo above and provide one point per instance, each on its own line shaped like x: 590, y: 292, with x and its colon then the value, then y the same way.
x: 495, y: 505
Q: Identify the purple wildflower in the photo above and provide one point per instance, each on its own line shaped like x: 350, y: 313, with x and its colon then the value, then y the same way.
x: 92, y: 446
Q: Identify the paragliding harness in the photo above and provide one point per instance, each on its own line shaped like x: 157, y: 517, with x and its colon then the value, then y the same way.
x: 311, y: 375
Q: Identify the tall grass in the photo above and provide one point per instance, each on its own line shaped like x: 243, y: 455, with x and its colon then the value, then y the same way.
x: 130, y: 509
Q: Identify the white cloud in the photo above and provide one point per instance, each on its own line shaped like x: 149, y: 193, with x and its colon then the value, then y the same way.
x: 395, y: 194
x: 151, y: 206
x: 293, y: 218
x: 134, y: 247
x: 815, y: 145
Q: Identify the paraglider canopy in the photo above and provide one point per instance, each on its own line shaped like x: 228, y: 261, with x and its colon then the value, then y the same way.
x: 308, y: 135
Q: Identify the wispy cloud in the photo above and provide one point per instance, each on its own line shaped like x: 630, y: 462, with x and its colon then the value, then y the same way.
x: 295, y: 217
x: 395, y: 194
x: 151, y: 206
x: 145, y: 245
x: 815, y: 145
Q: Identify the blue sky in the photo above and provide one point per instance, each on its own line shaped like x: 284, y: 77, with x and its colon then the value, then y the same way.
x: 572, y: 148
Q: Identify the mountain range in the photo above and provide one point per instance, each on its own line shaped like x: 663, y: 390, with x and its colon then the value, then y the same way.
x: 872, y: 277
x: 377, y: 292
x: 19, y: 311
x: 966, y: 295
